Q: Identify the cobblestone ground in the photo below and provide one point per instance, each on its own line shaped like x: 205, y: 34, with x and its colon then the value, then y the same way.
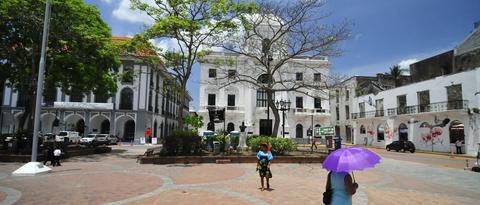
x: 116, y: 178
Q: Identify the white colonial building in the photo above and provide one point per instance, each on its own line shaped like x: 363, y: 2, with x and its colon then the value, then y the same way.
x: 439, y: 107
x: 245, y: 103
x: 138, y: 104
x: 417, y: 113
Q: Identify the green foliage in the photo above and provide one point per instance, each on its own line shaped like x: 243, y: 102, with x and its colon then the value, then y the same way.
x: 182, y: 142
x: 196, y: 121
x: 278, y: 146
x: 80, y: 54
x: 476, y: 110
x: 192, y: 23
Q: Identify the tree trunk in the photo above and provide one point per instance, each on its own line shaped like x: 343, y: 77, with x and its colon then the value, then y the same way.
x: 183, y: 92
x: 276, y: 124
x: 26, y: 120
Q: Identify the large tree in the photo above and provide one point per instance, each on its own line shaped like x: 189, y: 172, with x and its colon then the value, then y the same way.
x: 276, y: 39
x: 190, y: 23
x: 80, y: 57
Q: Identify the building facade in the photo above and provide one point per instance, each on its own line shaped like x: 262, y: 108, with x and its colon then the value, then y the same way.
x: 440, y: 107
x: 248, y: 104
x: 143, y: 100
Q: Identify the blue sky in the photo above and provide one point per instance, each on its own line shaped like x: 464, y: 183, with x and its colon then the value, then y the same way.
x: 384, y: 32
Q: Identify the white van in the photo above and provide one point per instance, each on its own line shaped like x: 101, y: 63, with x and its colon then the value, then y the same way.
x: 73, y: 137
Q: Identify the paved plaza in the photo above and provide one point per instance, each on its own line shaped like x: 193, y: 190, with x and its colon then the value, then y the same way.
x: 116, y: 178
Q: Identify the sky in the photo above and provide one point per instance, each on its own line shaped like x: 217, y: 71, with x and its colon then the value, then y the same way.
x: 384, y: 32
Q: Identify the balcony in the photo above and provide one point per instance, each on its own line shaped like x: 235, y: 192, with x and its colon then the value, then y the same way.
x: 235, y: 108
x: 369, y: 114
x: 309, y: 111
x: 461, y: 105
x: 228, y: 108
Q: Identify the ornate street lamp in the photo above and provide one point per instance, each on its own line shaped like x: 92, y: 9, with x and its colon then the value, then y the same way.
x: 283, y: 106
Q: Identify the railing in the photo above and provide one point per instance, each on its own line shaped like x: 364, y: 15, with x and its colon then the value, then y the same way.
x: 305, y: 111
x: 415, y: 109
x: 228, y: 108
x: 369, y: 114
x: 234, y: 108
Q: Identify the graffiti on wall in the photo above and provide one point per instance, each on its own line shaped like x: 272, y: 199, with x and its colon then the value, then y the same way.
x: 433, y: 136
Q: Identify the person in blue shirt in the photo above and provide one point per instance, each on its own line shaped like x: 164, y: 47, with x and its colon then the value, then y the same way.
x: 342, y: 186
x: 264, y: 157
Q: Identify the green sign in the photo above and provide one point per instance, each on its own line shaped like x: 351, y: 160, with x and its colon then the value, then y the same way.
x: 322, y: 131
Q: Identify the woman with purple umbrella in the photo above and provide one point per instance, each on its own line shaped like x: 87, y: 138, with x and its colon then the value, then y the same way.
x: 340, y: 184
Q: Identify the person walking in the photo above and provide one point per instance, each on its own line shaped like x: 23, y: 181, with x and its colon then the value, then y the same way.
x: 48, y: 155
x: 264, y: 157
x: 342, y: 188
x: 314, y: 143
x: 459, y: 144
x: 56, y: 156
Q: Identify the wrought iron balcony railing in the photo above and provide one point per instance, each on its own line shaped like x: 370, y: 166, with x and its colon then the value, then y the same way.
x: 415, y: 109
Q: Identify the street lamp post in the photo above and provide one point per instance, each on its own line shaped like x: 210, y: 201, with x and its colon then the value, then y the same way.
x: 283, y: 106
x: 35, y: 167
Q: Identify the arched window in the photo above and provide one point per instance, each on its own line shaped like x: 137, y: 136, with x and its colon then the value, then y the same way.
x: 299, y: 131
x: 230, y: 127
x: 126, y: 99
x: 381, y: 132
x: 318, y: 125
x: 362, y: 130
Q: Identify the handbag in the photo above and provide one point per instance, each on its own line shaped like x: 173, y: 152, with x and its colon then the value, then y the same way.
x: 327, y: 195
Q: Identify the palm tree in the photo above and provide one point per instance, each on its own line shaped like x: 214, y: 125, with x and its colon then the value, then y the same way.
x: 396, y: 74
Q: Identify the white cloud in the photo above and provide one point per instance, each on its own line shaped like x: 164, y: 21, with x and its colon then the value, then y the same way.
x: 107, y: 1
x: 405, y: 64
x: 124, y: 12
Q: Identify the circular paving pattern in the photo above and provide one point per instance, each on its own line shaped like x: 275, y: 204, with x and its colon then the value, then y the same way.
x: 207, y: 174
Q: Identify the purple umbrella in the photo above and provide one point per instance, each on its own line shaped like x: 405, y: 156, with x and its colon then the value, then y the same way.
x: 350, y: 159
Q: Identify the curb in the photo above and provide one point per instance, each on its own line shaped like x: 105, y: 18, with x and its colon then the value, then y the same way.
x: 424, y: 152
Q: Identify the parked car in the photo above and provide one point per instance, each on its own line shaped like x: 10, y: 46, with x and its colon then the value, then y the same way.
x: 49, y: 137
x: 68, y: 136
x: 401, y: 146
x: 113, y: 139
x: 95, y: 139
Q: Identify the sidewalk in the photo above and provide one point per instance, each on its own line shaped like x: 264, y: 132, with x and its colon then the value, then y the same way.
x: 305, y: 147
x: 417, y: 151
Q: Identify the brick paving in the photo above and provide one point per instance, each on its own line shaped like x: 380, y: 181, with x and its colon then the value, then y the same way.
x: 116, y: 178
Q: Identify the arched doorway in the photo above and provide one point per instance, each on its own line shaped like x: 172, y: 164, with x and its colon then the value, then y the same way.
x: 381, y: 132
x: 230, y: 127
x: 129, y: 131
x: 457, y: 131
x: 80, y: 127
x: 105, y: 127
x: 299, y: 131
x: 403, y: 132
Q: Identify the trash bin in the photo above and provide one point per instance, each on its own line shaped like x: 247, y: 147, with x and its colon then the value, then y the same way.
x: 216, y: 147
x: 338, y: 142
